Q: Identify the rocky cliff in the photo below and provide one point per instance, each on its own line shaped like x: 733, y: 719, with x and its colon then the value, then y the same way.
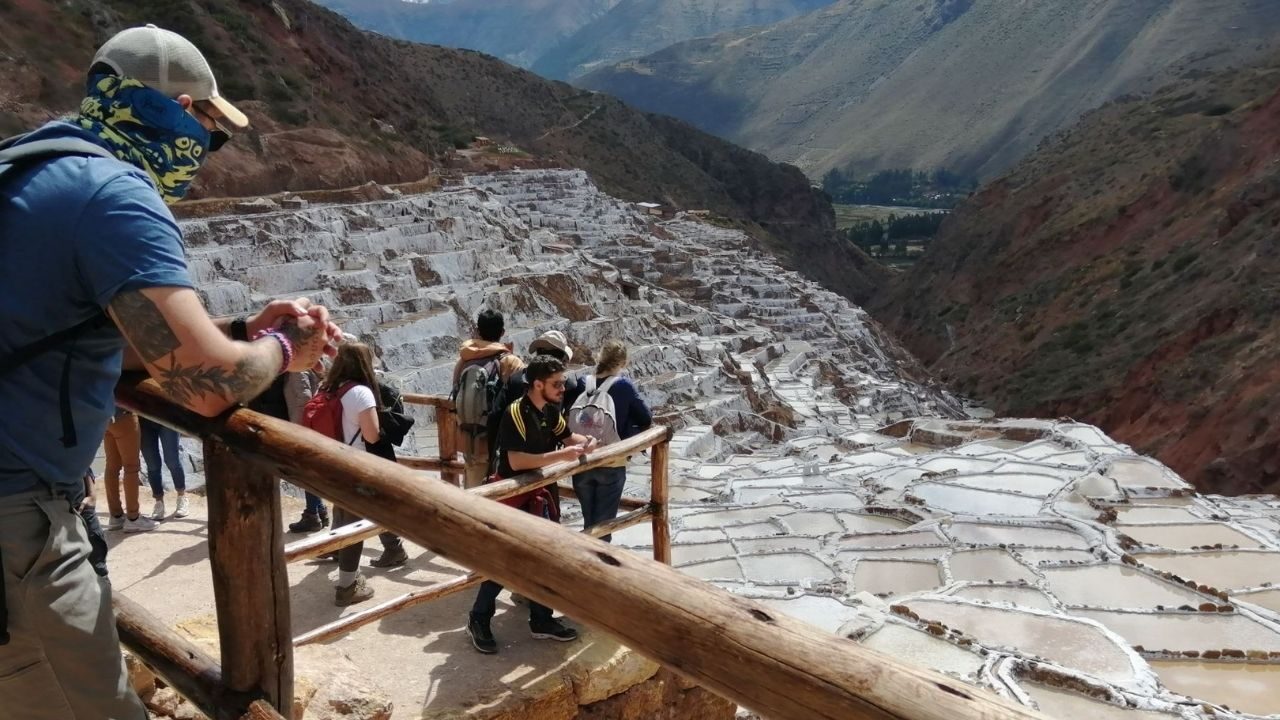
x: 1125, y: 275
x: 968, y: 85
x: 333, y: 106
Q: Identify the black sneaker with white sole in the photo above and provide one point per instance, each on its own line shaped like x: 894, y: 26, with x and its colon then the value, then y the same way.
x: 481, y: 636
x: 553, y: 630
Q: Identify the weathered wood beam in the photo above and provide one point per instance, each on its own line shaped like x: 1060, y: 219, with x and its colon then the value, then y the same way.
x: 430, y: 463
x: 250, y: 575
x: 780, y: 667
x: 454, y: 585
x: 314, y: 546
x: 658, y: 497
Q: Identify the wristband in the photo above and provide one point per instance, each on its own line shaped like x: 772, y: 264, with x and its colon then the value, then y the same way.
x: 286, y: 347
x: 240, y: 329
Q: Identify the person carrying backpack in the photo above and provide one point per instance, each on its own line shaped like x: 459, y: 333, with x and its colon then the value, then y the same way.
x: 394, y: 425
x: 609, y: 410
x: 484, y: 366
x: 346, y: 409
x: 91, y: 257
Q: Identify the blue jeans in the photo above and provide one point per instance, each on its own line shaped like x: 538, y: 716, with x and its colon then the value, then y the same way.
x: 315, y: 504
x: 486, y: 604
x: 156, y: 437
x: 599, y: 492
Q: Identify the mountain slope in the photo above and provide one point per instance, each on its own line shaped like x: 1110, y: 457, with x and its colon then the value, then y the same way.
x: 636, y: 27
x: 1126, y: 275
x: 518, y: 31
x: 968, y: 85
x: 333, y: 106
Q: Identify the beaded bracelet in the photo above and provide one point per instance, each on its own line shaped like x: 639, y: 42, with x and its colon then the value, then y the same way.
x: 286, y: 347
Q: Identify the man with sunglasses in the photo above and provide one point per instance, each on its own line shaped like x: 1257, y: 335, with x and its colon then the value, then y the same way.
x: 91, y: 256
x: 532, y: 434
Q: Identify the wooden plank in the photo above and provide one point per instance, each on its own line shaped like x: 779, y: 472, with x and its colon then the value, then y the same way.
x: 782, y: 668
x: 417, y: 597
x: 439, y: 401
x: 260, y: 710
x: 658, y: 496
x: 315, y: 545
x: 627, y: 503
x: 551, y: 473
x: 250, y: 576
x: 178, y: 661
x: 429, y: 463
x: 447, y: 440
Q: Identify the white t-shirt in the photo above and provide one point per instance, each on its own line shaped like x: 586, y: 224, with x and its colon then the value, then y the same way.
x: 355, y: 401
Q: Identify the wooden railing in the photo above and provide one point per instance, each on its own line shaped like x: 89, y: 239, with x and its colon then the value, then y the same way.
x: 780, y: 667
x: 653, y: 511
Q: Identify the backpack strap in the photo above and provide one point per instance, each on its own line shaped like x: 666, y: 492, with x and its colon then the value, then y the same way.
x: 604, y: 386
x: 16, y: 155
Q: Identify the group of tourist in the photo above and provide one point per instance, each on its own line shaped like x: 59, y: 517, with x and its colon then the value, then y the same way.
x: 95, y: 282
x: 514, y: 415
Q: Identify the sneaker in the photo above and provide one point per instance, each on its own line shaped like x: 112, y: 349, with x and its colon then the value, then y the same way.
x: 391, y: 557
x: 157, y: 510
x: 310, y: 522
x: 481, y: 635
x: 139, y: 524
x: 184, y: 507
x: 553, y: 629
x: 356, y: 592
x: 116, y: 522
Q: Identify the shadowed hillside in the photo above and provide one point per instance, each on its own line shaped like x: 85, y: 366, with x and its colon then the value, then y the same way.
x: 334, y: 106
x: 1126, y: 275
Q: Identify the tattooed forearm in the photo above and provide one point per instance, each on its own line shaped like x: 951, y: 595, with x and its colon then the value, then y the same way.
x: 186, y: 385
x: 145, y: 326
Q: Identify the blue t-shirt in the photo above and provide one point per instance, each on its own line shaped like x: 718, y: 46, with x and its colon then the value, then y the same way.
x: 74, y: 233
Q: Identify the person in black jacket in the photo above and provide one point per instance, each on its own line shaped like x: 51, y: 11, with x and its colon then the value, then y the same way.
x: 394, y: 424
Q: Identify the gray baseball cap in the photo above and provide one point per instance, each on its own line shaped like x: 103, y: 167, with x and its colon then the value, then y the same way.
x: 166, y: 61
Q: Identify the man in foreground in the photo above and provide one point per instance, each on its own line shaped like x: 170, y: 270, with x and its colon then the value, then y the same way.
x: 531, y: 434
x: 91, y: 257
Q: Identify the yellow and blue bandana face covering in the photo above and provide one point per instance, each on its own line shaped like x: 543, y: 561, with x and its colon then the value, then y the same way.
x: 145, y: 128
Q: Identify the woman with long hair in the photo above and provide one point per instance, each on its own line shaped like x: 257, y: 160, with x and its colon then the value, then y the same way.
x: 599, y: 491
x: 351, y: 378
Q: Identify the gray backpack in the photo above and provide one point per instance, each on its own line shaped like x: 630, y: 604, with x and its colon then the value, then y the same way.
x: 593, y: 413
x: 476, y: 396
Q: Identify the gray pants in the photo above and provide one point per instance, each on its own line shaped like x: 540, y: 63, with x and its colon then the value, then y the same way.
x: 63, y: 660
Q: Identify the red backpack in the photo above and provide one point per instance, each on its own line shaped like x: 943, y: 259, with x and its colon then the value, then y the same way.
x: 323, y: 412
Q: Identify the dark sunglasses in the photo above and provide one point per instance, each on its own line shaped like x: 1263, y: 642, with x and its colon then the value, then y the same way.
x: 217, y: 137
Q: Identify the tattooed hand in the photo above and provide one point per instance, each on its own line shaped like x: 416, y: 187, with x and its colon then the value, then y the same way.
x: 310, y: 340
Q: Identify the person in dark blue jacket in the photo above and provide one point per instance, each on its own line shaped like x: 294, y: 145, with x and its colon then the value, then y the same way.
x: 600, y: 490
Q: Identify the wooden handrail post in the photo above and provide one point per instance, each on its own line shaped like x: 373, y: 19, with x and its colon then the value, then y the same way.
x: 250, y: 576
x: 658, y: 498
x: 447, y: 435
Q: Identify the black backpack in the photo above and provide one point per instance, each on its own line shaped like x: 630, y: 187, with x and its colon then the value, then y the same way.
x: 13, y: 160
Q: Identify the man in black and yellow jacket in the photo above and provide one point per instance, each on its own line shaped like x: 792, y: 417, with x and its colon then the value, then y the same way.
x: 532, y: 434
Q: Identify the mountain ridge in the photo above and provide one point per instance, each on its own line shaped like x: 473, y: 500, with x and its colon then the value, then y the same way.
x: 965, y: 85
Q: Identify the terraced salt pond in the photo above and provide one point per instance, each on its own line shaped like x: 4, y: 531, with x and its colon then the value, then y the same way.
x: 1117, y: 586
x: 1247, y: 687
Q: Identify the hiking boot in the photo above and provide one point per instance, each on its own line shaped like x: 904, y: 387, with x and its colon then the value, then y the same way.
x: 356, y: 592
x: 391, y: 557
x: 116, y: 522
x: 310, y: 522
x: 481, y: 635
x: 553, y: 629
x: 140, y: 524
x: 184, y: 507
x: 157, y: 510
x: 324, y: 516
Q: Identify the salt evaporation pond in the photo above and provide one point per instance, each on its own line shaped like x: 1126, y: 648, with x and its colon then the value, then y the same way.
x: 967, y: 501
x: 1269, y: 599
x: 1068, y: 705
x: 1116, y: 586
x: 1248, y: 687
x: 1015, y: 536
x: 1185, y: 537
x: 1068, y: 642
x: 1225, y: 570
x: 895, y: 577
x: 988, y: 565
x: 921, y: 648
x: 1188, y: 631
x: 1012, y: 594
